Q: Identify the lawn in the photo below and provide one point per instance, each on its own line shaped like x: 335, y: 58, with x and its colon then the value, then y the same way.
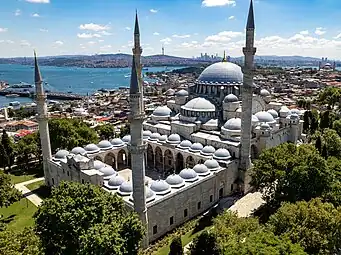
x: 19, y: 175
x: 39, y: 189
x: 35, y: 185
x: 21, y: 178
x: 18, y: 215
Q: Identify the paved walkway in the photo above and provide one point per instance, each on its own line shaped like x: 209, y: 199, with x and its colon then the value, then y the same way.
x: 27, y: 193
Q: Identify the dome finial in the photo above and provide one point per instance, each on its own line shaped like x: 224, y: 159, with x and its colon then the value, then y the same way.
x: 224, y: 58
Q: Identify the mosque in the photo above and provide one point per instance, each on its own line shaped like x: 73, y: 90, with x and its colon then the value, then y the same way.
x: 187, y: 155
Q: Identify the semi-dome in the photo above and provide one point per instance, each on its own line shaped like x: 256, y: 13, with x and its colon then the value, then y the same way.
x: 162, y: 138
x: 175, y: 181
x: 150, y: 195
x: 284, y: 111
x: 196, y: 147
x: 61, y: 154
x: 174, y: 139
x: 222, y: 73
x: 78, y: 150
x: 264, y: 117
x: 104, y: 145
x: 116, y: 180
x: 126, y: 138
x: 212, y: 123
x: 107, y: 171
x: 185, y: 144
x: 274, y: 113
x: 170, y: 92
x: 117, y: 142
x: 212, y: 164
x: 162, y: 111
x: 160, y: 187
x: 208, y: 150
x: 189, y: 175
x: 233, y: 124
x: 126, y: 187
x: 146, y: 134
x: 294, y: 116
x: 296, y: 111
x: 254, y: 119
x: 222, y: 154
x: 181, y: 93
x: 154, y: 136
x: 264, y: 93
x: 91, y: 148
x: 201, y: 170
x: 230, y: 98
x: 98, y: 164
x: 264, y: 126
x: 199, y: 104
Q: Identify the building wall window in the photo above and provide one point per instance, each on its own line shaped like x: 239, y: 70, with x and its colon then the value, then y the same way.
x: 52, y: 181
x: 199, y: 205
x: 231, y: 187
x: 185, y: 213
x: 211, y: 198
x: 154, y: 229
x: 68, y: 174
x: 171, y: 220
x: 82, y: 181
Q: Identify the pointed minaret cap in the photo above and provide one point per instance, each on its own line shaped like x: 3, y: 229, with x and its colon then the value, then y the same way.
x: 250, y: 20
x: 137, y: 29
x: 134, y: 81
x: 224, y: 58
x: 37, y: 75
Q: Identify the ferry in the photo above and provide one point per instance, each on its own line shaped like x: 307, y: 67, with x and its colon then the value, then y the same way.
x: 14, y: 103
x: 12, y: 95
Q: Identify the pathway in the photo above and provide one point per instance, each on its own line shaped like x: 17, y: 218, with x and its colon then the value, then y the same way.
x: 27, y: 193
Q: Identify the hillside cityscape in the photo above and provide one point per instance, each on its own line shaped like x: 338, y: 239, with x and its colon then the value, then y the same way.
x: 156, y: 154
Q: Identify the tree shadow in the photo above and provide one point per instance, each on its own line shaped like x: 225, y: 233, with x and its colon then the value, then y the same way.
x: 205, y: 221
x: 43, y: 192
x: 7, y: 220
x: 264, y: 212
x: 34, y: 169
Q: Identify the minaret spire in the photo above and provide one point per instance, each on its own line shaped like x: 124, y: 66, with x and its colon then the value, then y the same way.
x: 249, y: 52
x: 42, y: 119
x: 224, y: 58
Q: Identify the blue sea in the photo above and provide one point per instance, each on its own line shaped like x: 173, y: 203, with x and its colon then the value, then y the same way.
x: 63, y: 79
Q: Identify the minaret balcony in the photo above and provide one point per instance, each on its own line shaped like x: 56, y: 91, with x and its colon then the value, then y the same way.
x: 137, y: 116
x: 249, y: 51
x: 137, y: 149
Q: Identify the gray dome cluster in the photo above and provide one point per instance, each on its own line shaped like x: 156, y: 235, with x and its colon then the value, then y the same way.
x: 107, y: 172
x: 175, y: 181
x: 174, y: 139
x: 201, y: 170
x: 222, y: 154
x: 154, y: 136
x: 61, y: 154
x: 116, y: 142
x: 208, y: 150
x: 230, y: 98
x: 160, y: 187
x: 162, y: 111
x: 116, y: 181
x: 199, y: 104
x: 212, y: 165
x: 98, y: 164
x: 126, y: 138
x: 78, y: 150
x: 222, y: 73
x: 189, y: 175
x: 234, y: 124
x: 162, y: 138
x: 126, y: 188
x: 146, y: 134
x: 105, y: 145
x: 264, y: 117
x: 91, y: 148
x: 264, y: 93
x: 185, y: 144
x: 273, y: 113
x: 196, y: 147
x: 181, y: 93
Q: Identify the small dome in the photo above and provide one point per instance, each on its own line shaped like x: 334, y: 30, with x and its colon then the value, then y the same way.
x: 294, y: 116
x: 162, y: 138
x: 126, y: 187
x: 208, y: 150
x: 298, y: 112
x: 212, y: 164
x: 104, y: 145
x: 126, y: 138
x: 212, y: 122
x: 273, y: 113
x: 98, y: 164
x: 116, y: 180
x: 196, y: 147
x: 175, y: 180
x: 222, y: 154
x: 160, y: 186
x: 91, y: 148
x: 78, y: 150
x: 154, y: 136
x: 146, y: 134
x: 162, y: 111
x: 199, y: 104
x: 254, y: 119
x: 174, y: 139
x: 264, y: 93
x: 201, y: 169
x: 189, y: 175
x: 284, y: 110
x: 170, y: 92
x: 181, y: 93
x: 264, y: 117
x: 233, y: 124
x: 185, y: 144
x: 107, y: 171
x: 149, y: 194
x: 61, y: 154
x: 230, y: 98
x: 117, y: 142
x: 264, y: 126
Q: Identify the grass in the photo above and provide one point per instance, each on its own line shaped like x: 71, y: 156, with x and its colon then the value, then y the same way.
x: 35, y: 185
x: 18, y: 215
x: 19, y: 175
x: 39, y: 189
x: 21, y: 178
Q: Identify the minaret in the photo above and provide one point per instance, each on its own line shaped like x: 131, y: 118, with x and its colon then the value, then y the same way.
x: 224, y: 57
x: 42, y: 119
x: 249, y: 52
x: 137, y: 146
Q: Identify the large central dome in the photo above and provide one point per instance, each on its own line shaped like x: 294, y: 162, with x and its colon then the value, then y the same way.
x: 222, y: 73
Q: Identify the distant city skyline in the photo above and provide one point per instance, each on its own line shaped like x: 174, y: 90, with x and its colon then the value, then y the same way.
x: 185, y: 28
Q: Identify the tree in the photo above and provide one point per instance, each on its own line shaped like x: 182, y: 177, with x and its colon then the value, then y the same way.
x: 330, y: 96
x: 324, y: 121
x: 203, y: 244
x: 19, y: 243
x: 337, y: 126
x: 306, y: 123
x: 315, y: 225
x: 176, y: 246
x: 318, y: 144
x: 106, y: 131
x: 8, y: 194
x: 8, y: 147
x: 291, y: 173
x: 314, y: 124
x: 332, y: 141
x: 85, y: 219
x: 27, y: 149
x: 125, y: 130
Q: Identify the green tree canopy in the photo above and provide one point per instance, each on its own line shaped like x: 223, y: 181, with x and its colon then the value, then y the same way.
x: 316, y: 226
x: 106, y: 131
x: 85, y: 219
x: 332, y: 141
x: 8, y: 194
x: 69, y: 133
x: 291, y: 173
x: 27, y: 149
x: 8, y: 148
x: 176, y: 246
x: 330, y: 96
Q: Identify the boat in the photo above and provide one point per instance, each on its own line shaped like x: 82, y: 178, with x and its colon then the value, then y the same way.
x: 126, y: 76
x: 12, y: 95
x: 14, y: 103
x: 145, y: 69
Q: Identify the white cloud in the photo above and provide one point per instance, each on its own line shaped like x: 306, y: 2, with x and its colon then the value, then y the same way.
x: 181, y: 36
x: 213, y: 3
x: 231, y: 17
x: 17, y: 12
x: 100, y: 41
x: 91, y: 43
x: 105, y: 48
x: 58, y: 43
x: 320, y: 31
x: 304, y: 32
x: 224, y: 36
x: 88, y: 35
x: 156, y: 33
x: 38, y: 1
x: 94, y: 27
x: 166, y: 40
x: 35, y: 15
x: 25, y: 43
x: 153, y: 11
x: 105, y: 33
x: 43, y: 30
x: 338, y: 36
x: 3, y: 30
x: 127, y: 28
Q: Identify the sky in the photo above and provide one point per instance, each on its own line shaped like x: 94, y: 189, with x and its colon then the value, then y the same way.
x: 184, y: 27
